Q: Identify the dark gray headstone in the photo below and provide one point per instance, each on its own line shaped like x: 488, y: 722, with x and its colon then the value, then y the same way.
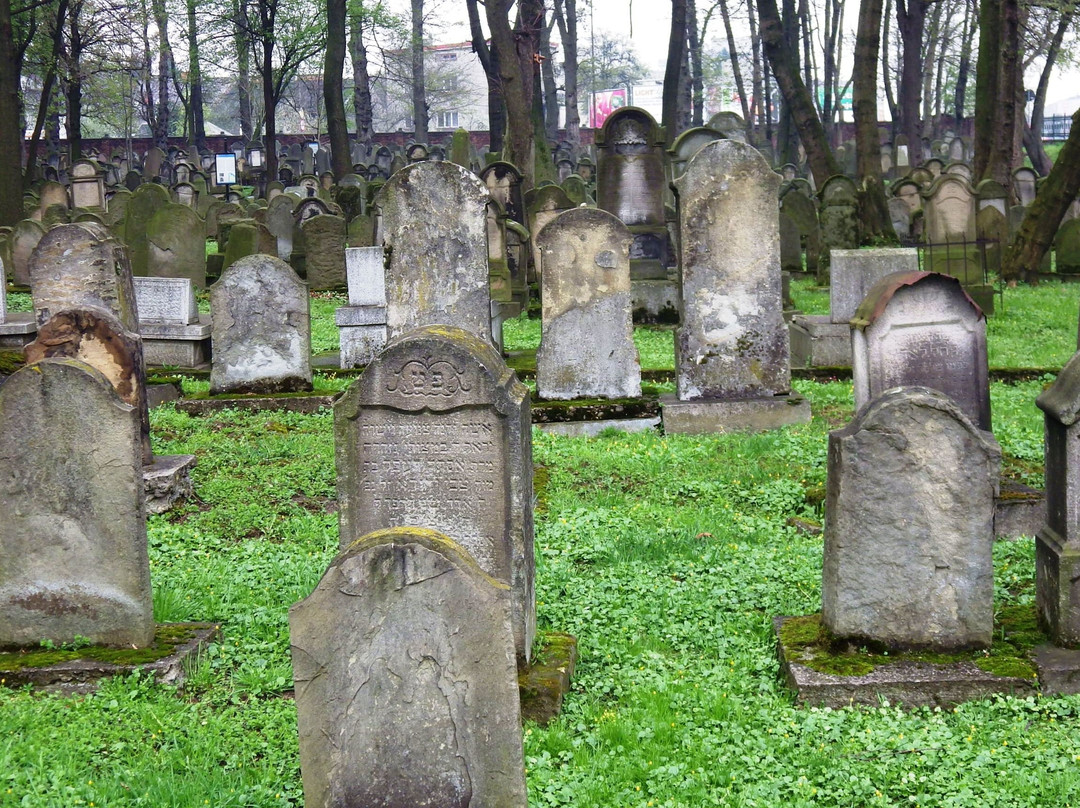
x: 324, y: 243
x: 176, y: 244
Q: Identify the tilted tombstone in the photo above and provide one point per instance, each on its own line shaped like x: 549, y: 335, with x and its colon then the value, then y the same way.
x: 52, y: 193
x: 587, y: 339
x: 433, y: 223
x: 261, y: 329
x: 147, y: 200
x: 436, y: 434
x: 729, y: 124
x: 921, y: 328
x: 324, y: 245
x: 77, y: 266
x: 281, y: 223
x: 73, y: 536
x: 23, y: 241
x: 406, y: 687
x: 910, y: 525
x: 116, y: 210
x: 910, y: 192
x: 96, y: 337
x: 362, y: 323
x: 732, y: 353
x: 631, y: 178
x: 900, y: 216
x: 1057, y: 545
x: 175, y: 244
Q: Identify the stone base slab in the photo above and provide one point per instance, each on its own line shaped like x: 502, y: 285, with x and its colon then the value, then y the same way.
x: 590, y: 429
x: 1059, y: 670
x: 167, y: 481
x: 913, y: 684
x: 296, y: 402
x: 360, y: 344
x: 818, y: 342
x: 18, y: 329
x: 655, y: 301
x: 709, y: 415
x: 1018, y: 511
x: 176, y: 345
x: 545, y: 683
x: 80, y: 676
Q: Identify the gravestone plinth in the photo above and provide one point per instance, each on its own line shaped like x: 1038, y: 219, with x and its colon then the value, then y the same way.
x: 172, y: 330
x: 73, y: 552
x: 362, y: 324
x: 732, y: 351
x: 909, y: 525
x: 16, y: 328
x: 1057, y: 546
x: 920, y: 328
x: 406, y: 686
x: 436, y: 434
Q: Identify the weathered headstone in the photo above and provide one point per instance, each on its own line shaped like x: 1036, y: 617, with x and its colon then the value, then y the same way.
x: 147, y: 200
x: 166, y: 300
x: 587, y: 345
x: 324, y: 244
x: 1067, y: 247
x: 920, y: 328
x: 910, y: 525
x: 169, y: 323
x: 87, y: 185
x: 1024, y: 184
x: 261, y: 329
x: 23, y: 241
x: 436, y: 433
x: 73, y: 552
x: 434, y: 225
x: 176, y: 244
x: 406, y: 687
x: 732, y: 353
x: 839, y: 217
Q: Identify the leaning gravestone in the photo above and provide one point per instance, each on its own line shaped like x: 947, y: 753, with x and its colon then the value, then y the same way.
x: 434, y: 226
x: 24, y: 239
x: 436, y: 433
x: 731, y: 350
x: 176, y: 244
x: 920, y: 328
x: 261, y: 332
x: 910, y: 525
x: 73, y: 552
x: 324, y: 243
x: 406, y: 687
x: 1057, y: 545
x: 587, y: 343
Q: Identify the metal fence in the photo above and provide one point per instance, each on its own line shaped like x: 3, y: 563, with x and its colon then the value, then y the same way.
x: 971, y: 261
x: 1056, y: 127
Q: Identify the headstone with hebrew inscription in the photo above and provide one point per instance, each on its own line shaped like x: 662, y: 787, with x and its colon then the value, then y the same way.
x: 436, y: 434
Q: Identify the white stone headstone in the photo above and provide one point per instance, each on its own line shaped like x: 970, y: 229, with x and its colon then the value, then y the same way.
x: 166, y: 300
x: 366, y: 276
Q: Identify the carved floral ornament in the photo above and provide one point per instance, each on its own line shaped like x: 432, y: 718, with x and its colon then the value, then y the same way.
x: 429, y: 377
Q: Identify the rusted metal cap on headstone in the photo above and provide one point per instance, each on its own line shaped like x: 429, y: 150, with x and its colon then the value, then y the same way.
x: 873, y: 305
x: 1061, y: 400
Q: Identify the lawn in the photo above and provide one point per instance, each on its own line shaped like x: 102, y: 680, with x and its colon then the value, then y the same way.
x: 667, y: 556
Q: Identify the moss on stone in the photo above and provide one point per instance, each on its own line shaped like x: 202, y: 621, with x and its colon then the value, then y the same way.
x: 10, y: 362
x: 167, y: 636
x: 541, y: 477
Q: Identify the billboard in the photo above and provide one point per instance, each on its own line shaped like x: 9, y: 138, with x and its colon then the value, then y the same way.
x: 604, y: 103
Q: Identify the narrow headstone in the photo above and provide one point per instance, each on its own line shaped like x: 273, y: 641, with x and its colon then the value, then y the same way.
x: 147, y: 200
x: 910, y: 525
x: 324, y: 244
x: 23, y: 241
x: 261, y: 330
x: 436, y: 433
x: 587, y: 344
x: 73, y: 552
x: 406, y: 687
x: 362, y: 323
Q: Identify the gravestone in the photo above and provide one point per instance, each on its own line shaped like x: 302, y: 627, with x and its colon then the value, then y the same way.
x: 169, y: 323
x: 281, y: 223
x: 802, y: 210
x: 73, y: 550
x: 587, y: 339
x: 730, y: 124
x: 176, y: 244
x: 630, y: 180
x: 790, y: 245
x: 687, y: 144
x: 1067, y: 247
x: 52, y: 193
x: 949, y: 221
x: 79, y: 266
x: 542, y: 204
x: 261, y: 330
x: 243, y: 241
x: 910, y: 525
x: 920, y: 328
x: 166, y: 300
x: 839, y: 217
x: 503, y: 182
x: 1057, y: 545
x: 147, y: 200
x: 324, y: 245
x: 900, y: 216
x: 406, y: 688
x: 434, y: 226
x: 1024, y: 180
x: 23, y: 241
x: 732, y: 353
x: 436, y: 434
x: 87, y: 185
x: 362, y: 323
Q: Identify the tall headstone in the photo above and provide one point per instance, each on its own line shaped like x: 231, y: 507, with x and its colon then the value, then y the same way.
x: 23, y: 241
x: 147, y: 200
x: 910, y: 525
x: 920, y: 328
x: 87, y: 185
x: 324, y: 245
x: 1057, y: 545
x: 362, y: 323
x: 732, y: 353
x: 434, y: 228
x: 839, y: 217
x: 73, y: 551
x: 1024, y: 184
x: 406, y: 687
x: 587, y: 341
x: 176, y: 244
x: 436, y: 433
x: 261, y: 329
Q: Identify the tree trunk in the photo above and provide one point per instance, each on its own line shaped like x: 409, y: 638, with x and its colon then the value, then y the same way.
x: 886, y: 72
x: 567, y: 22
x: 333, y: 91
x: 1033, y: 135
x: 47, y: 86
x: 73, y: 88
x: 818, y: 154
x: 242, y: 43
x: 997, y: 91
x: 269, y: 95
x: 165, y: 71
x: 489, y: 61
x: 697, y: 81
x: 11, y: 209
x: 686, y: 90
x: 876, y: 224
x: 736, y: 72
x: 787, y: 135
x: 516, y: 86
x: 676, y: 47
x: 928, y: 72
x: 361, y: 80
x: 416, y: 55
x: 551, y: 89
x: 1043, y: 218
x: 963, y: 67
x: 756, y: 77
x: 195, y: 101
x: 911, y: 20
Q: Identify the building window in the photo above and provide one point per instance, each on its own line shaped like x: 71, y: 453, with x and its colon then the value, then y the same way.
x: 446, y: 120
